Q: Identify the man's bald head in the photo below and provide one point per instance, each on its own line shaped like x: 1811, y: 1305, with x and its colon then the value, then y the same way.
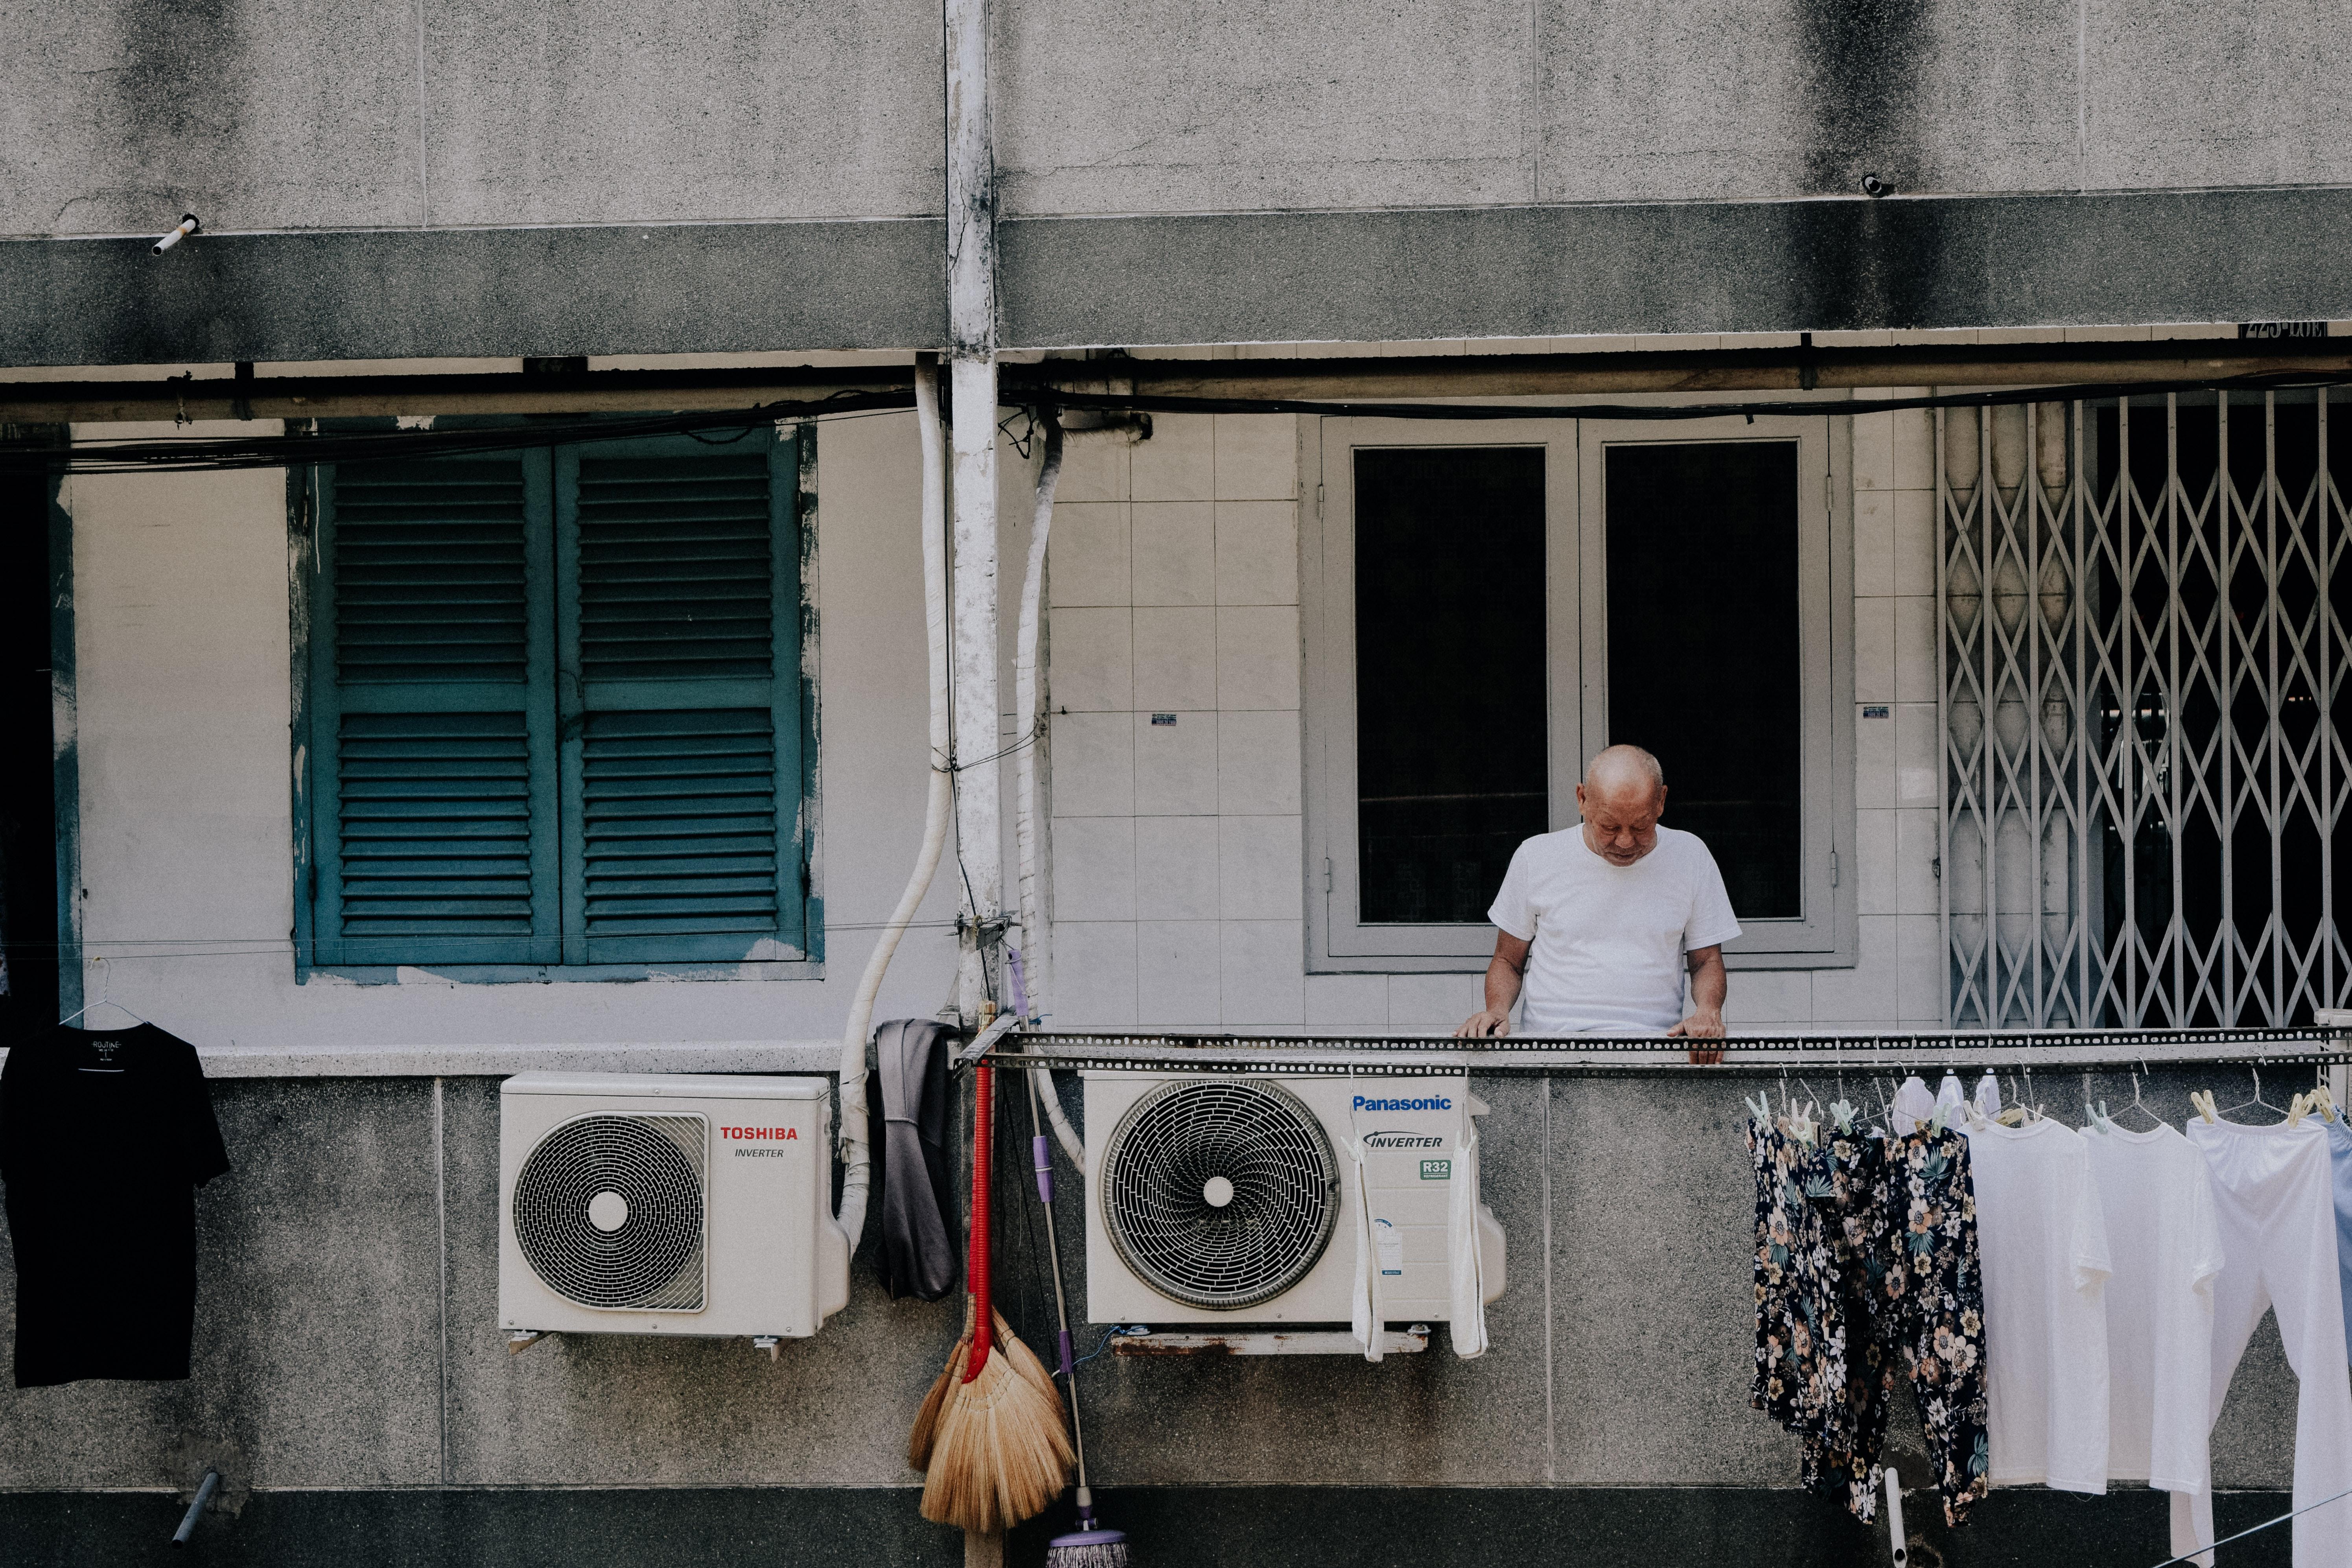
x: 1621, y: 768
x: 1621, y: 797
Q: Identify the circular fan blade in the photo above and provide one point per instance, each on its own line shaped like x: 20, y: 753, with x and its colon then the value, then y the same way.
x: 1220, y: 1192
x: 608, y: 1211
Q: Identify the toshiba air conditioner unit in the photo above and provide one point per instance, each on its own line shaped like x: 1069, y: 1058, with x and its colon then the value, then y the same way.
x: 1228, y: 1200
x: 656, y: 1204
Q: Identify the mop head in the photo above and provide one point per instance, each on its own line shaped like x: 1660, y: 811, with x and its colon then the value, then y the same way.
x: 1088, y: 1548
x: 1001, y: 1454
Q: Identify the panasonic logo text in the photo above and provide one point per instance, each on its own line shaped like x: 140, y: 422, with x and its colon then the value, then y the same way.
x: 1434, y: 1102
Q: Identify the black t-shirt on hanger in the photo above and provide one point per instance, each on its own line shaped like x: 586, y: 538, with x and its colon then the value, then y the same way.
x: 105, y: 1135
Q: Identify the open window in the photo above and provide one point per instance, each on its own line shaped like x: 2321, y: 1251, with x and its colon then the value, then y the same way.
x: 1490, y: 603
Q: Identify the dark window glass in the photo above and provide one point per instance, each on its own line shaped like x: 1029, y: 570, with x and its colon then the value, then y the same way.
x: 1703, y: 650
x: 1450, y: 770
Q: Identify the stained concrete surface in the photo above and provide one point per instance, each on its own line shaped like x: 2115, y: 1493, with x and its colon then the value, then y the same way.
x: 317, y: 1346
x: 264, y: 116
x: 320, y: 1352
x: 1169, y: 1527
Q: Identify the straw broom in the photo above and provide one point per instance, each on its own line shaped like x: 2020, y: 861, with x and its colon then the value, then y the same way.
x: 921, y: 1436
x: 999, y: 1451
x: 926, y: 1419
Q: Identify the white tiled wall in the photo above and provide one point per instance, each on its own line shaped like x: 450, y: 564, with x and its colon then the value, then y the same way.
x: 1178, y: 883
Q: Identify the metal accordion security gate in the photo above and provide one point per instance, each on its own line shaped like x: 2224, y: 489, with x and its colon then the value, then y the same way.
x: 2142, y: 659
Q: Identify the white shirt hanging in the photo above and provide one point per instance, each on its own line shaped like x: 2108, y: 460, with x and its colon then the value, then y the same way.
x: 2044, y: 1243
x: 2166, y: 1248
x: 1913, y: 1105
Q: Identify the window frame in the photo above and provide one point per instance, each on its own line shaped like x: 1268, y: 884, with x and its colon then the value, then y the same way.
x: 311, y: 625
x: 1575, y: 575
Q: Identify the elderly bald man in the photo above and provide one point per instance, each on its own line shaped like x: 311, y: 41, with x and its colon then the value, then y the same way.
x: 1599, y: 924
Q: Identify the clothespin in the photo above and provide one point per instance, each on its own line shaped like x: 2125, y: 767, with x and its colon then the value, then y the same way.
x: 1843, y: 1112
x: 2202, y: 1099
x: 2296, y: 1110
x: 2322, y: 1103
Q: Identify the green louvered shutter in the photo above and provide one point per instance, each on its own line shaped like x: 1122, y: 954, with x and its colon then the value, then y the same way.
x: 682, y: 735
x: 432, y: 714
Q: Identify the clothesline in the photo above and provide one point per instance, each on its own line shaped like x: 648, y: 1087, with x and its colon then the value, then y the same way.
x: 1333, y: 1054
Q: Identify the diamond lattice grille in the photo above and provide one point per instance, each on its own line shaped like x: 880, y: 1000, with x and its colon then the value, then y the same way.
x: 2143, y: 659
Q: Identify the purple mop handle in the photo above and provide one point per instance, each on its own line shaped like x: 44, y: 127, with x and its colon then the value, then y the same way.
x: 1019, y: 977
x: 1044, y: 1170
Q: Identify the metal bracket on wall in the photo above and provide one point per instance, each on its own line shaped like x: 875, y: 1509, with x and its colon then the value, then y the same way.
x: 519, y: 1340
x: 1409, y: 1055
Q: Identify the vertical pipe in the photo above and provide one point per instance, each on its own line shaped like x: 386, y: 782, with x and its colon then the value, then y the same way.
x: 857, y: 1162
x: 1030, y: 722
x: 972, y: 371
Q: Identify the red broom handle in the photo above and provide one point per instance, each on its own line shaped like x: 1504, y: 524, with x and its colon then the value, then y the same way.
x: 983, y: 1134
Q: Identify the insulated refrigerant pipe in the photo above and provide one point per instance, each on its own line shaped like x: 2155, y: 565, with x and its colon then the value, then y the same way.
x: 1036, y: 939
x: 857, y: 1158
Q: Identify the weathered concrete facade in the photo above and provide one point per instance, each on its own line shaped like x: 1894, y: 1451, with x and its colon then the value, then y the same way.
x: 460, y: 186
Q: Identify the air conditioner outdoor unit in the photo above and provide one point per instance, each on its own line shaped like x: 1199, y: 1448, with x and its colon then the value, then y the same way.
x: 656, y: 1204
x: 1222, y: 1200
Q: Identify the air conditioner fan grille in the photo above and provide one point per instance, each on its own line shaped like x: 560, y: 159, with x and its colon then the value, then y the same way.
x: 1220, y: 1192
x: 608, y: 1211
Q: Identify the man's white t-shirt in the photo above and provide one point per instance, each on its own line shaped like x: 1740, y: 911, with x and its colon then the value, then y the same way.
x: 2157, y: 1200
x: 2043, y: 1238
x: 1607, y: 942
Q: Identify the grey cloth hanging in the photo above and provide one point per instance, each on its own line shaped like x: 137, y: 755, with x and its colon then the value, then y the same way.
x: 919, y: 1255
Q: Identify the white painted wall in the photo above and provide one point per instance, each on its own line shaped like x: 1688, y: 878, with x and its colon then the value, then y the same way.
x: 1178, y: 883
x: 183, y: 651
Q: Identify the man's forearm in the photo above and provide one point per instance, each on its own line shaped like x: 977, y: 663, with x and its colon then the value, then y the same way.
x: 1502, y: 983
x: 1709, y: 985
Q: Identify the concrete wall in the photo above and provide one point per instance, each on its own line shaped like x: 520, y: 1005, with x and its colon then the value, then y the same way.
x: 259, y: 115
x: 264, y: 116
x: 347, y: 1339
x: 1210, y: 107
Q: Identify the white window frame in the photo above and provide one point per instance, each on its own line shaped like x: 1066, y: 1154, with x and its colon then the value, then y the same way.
x: 1577, y: 635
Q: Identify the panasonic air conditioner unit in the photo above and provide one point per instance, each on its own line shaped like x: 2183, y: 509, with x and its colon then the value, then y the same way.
x: 656, y: 1204
x: 1222, y: 1200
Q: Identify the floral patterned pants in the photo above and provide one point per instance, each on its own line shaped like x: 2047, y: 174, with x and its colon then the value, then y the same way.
x: 1879, y: 1270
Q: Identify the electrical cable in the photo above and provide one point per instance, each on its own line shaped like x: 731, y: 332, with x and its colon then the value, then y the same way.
x: 2192, y: 1556
x: 174, y: 454
x: 166, y: 454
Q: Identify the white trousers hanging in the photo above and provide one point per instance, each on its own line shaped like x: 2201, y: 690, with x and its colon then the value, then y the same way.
x: 2274, y: 1197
